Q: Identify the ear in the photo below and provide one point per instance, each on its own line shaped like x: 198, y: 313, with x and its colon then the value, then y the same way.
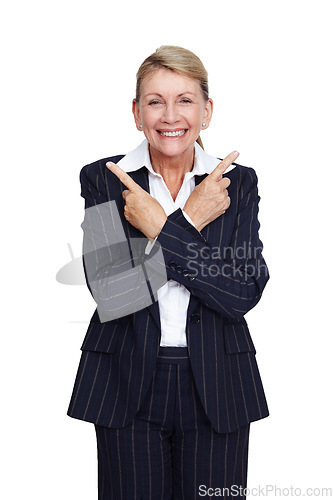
x: 136, y: 114
x: 208, y: 112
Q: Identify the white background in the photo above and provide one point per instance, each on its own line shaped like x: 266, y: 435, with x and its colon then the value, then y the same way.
x: 67, y: 83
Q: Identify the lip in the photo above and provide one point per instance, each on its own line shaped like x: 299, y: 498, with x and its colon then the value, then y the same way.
x: 172, y: 130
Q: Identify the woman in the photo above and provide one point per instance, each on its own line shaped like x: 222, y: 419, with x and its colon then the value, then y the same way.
x: 173, y: 259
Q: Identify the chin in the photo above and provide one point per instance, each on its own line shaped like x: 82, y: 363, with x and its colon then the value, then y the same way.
x: 173, y: 148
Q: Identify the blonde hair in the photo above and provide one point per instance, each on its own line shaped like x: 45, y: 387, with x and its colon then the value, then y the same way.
x: 181, y: 61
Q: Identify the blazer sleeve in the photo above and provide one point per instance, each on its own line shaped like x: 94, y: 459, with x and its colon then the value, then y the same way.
x: 114, y: 263
x: 97, y: 250
x: 232, y: 282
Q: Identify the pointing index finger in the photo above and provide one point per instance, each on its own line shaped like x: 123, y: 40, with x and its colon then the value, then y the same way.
x: 223, y: 165
x: 122, y: 176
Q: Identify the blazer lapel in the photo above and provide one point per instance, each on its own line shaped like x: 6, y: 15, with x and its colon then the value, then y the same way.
x: 199, y: 178
x: 141, y: 177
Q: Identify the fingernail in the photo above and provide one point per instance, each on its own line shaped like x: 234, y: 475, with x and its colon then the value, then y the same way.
x: 109, y: 164
x: 236, y: 154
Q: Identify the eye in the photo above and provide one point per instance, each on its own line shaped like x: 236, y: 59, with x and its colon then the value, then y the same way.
x: 186, y: 100
x: 154, y: 102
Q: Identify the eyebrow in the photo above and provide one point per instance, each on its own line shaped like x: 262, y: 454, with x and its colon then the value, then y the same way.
x: 160, y: 95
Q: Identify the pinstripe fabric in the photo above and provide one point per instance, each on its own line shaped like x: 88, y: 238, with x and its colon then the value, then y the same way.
x: 119, y: 357
x: 170, y: 449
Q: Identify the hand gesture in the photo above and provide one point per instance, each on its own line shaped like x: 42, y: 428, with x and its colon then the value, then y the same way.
x: 141, y: 209
x: 210, y: 198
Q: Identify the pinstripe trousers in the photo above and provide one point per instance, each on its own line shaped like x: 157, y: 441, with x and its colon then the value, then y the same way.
x: 170, y: 450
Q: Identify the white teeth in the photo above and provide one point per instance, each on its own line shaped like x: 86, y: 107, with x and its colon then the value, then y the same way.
x: 173, y: 134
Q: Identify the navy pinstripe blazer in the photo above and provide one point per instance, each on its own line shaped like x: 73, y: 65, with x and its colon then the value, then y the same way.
x: 119, y: 356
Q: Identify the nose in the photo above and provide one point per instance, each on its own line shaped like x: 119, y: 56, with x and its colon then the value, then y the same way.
x: 171, y: 114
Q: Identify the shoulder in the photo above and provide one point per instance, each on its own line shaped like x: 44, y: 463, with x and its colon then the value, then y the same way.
x: 94, y: 180
x: 243, y: 185
x: 242, y: 175
x: 97, y: 168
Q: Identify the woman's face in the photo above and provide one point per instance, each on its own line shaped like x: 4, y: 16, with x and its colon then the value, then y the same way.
x: 171, y: 111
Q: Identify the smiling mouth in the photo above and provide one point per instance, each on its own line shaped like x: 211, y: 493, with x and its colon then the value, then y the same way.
x: 177, y: 133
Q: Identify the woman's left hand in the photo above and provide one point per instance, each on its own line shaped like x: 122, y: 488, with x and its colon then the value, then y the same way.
x: 141, y: 210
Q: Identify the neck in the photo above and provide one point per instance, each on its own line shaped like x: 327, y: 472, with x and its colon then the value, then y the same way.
x: 172, y: 169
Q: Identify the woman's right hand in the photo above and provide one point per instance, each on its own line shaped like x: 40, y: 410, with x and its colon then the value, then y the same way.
x: 210, y: 198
